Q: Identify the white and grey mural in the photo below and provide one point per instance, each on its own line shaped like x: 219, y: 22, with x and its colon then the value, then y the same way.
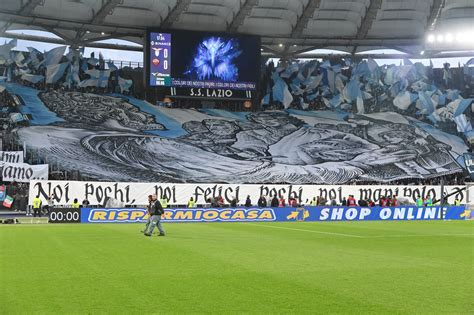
x: 125, y: 139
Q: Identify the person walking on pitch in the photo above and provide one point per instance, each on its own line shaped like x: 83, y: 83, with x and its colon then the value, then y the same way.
x: 157, y: 211
x: 148, y: 221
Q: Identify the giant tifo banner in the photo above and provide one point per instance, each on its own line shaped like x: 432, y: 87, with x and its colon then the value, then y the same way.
x: 97, y: 193
x: 97, y: 215
x: 24, y: 173
x: 124, y: 139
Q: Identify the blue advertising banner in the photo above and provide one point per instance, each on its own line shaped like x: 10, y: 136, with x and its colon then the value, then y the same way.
x: 242, y: 214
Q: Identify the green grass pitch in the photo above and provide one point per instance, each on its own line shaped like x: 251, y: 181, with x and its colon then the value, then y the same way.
x: 332, y: 267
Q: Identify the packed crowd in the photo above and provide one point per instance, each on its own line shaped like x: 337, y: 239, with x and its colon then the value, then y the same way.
x: 280, y: 202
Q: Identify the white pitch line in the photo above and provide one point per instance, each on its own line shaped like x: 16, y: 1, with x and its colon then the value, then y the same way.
x: 309, y: 231
x: 418, y: 235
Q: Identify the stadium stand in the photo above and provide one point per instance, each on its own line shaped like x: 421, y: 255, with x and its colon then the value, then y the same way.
x: 296, y: 156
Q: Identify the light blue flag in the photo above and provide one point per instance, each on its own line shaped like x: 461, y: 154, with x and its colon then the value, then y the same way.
x: 19, y: 59
x: 124, y: 84
x: 112, y: 66
x: 426, y: 103
x: 72, y: 77
x: 32, y: 78
x: 55, y: 72
x: 93, y: 61
x: 98, y: 78
x: 6, y: 48
x: 281, y: 92
x: 34, y: 57
x: 312, y: 96
x: 463, y: 105
x: 469, y: 135
x: 452, y: 95
x: 462, y: 124
x: 335, y: 101
x: 362, y: 69
x: 54, y: 56
x: 351, y: 90
x: 84, y: 65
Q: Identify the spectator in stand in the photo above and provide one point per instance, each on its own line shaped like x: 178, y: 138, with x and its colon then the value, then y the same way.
x: 281, y: 202
x: 191, y: 203
x: 344, y: 202
x: 215, y: 202
x: 314, y: 202
x: 333, y: 202
x: 262, y: 202
x: 85, y: 203
x: 50, y: 204
x: 292, y: 202
x: 363, y: 203
x: 395, y: 201
x: 383, y: 201
x: 322, y: 201
x: 75, y: 204
x: 269, y: 202
x: 233, y: 202
x: 220, y: 200
x: 274, y: 202
x: 351, y: 202
x: 37, y: 206
x: 248, y: 202
x: 389, y: 201
x: 419, y: 202
x: 371, y: 203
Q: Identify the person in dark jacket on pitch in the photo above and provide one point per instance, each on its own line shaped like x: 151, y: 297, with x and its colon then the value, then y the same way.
x: 150, y: 214
x: 157, y: 211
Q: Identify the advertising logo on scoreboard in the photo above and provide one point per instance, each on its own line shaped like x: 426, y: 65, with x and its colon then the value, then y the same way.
x: 307, y: 214
x: 203, y: 64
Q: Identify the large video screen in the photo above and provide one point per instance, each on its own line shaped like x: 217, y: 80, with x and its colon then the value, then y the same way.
x: 188, y: 59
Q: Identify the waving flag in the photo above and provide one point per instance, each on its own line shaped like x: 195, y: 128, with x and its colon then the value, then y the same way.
x: 124, y: 84
x: 55, y: 72
x: 463, y: 105
x: 72, y: 77
x: 8, y: 202
x: 54, y: 56
x: 32, y: 78
x: 99, y: 78
x: 34, y: 57
x: 6, y: 48
x: 112, y: 66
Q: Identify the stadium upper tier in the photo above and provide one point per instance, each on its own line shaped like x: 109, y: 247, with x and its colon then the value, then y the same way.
x: 287, y: 28
x: 337, y: 123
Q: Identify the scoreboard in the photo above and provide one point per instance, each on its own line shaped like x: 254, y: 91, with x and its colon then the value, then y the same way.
x: 203, y: 64
x: 160, y: 55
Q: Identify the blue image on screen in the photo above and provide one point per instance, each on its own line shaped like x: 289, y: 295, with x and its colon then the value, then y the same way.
x: 214, y: 59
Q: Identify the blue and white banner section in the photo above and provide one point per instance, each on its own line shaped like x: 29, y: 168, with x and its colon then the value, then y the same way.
x: 130, y: 215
